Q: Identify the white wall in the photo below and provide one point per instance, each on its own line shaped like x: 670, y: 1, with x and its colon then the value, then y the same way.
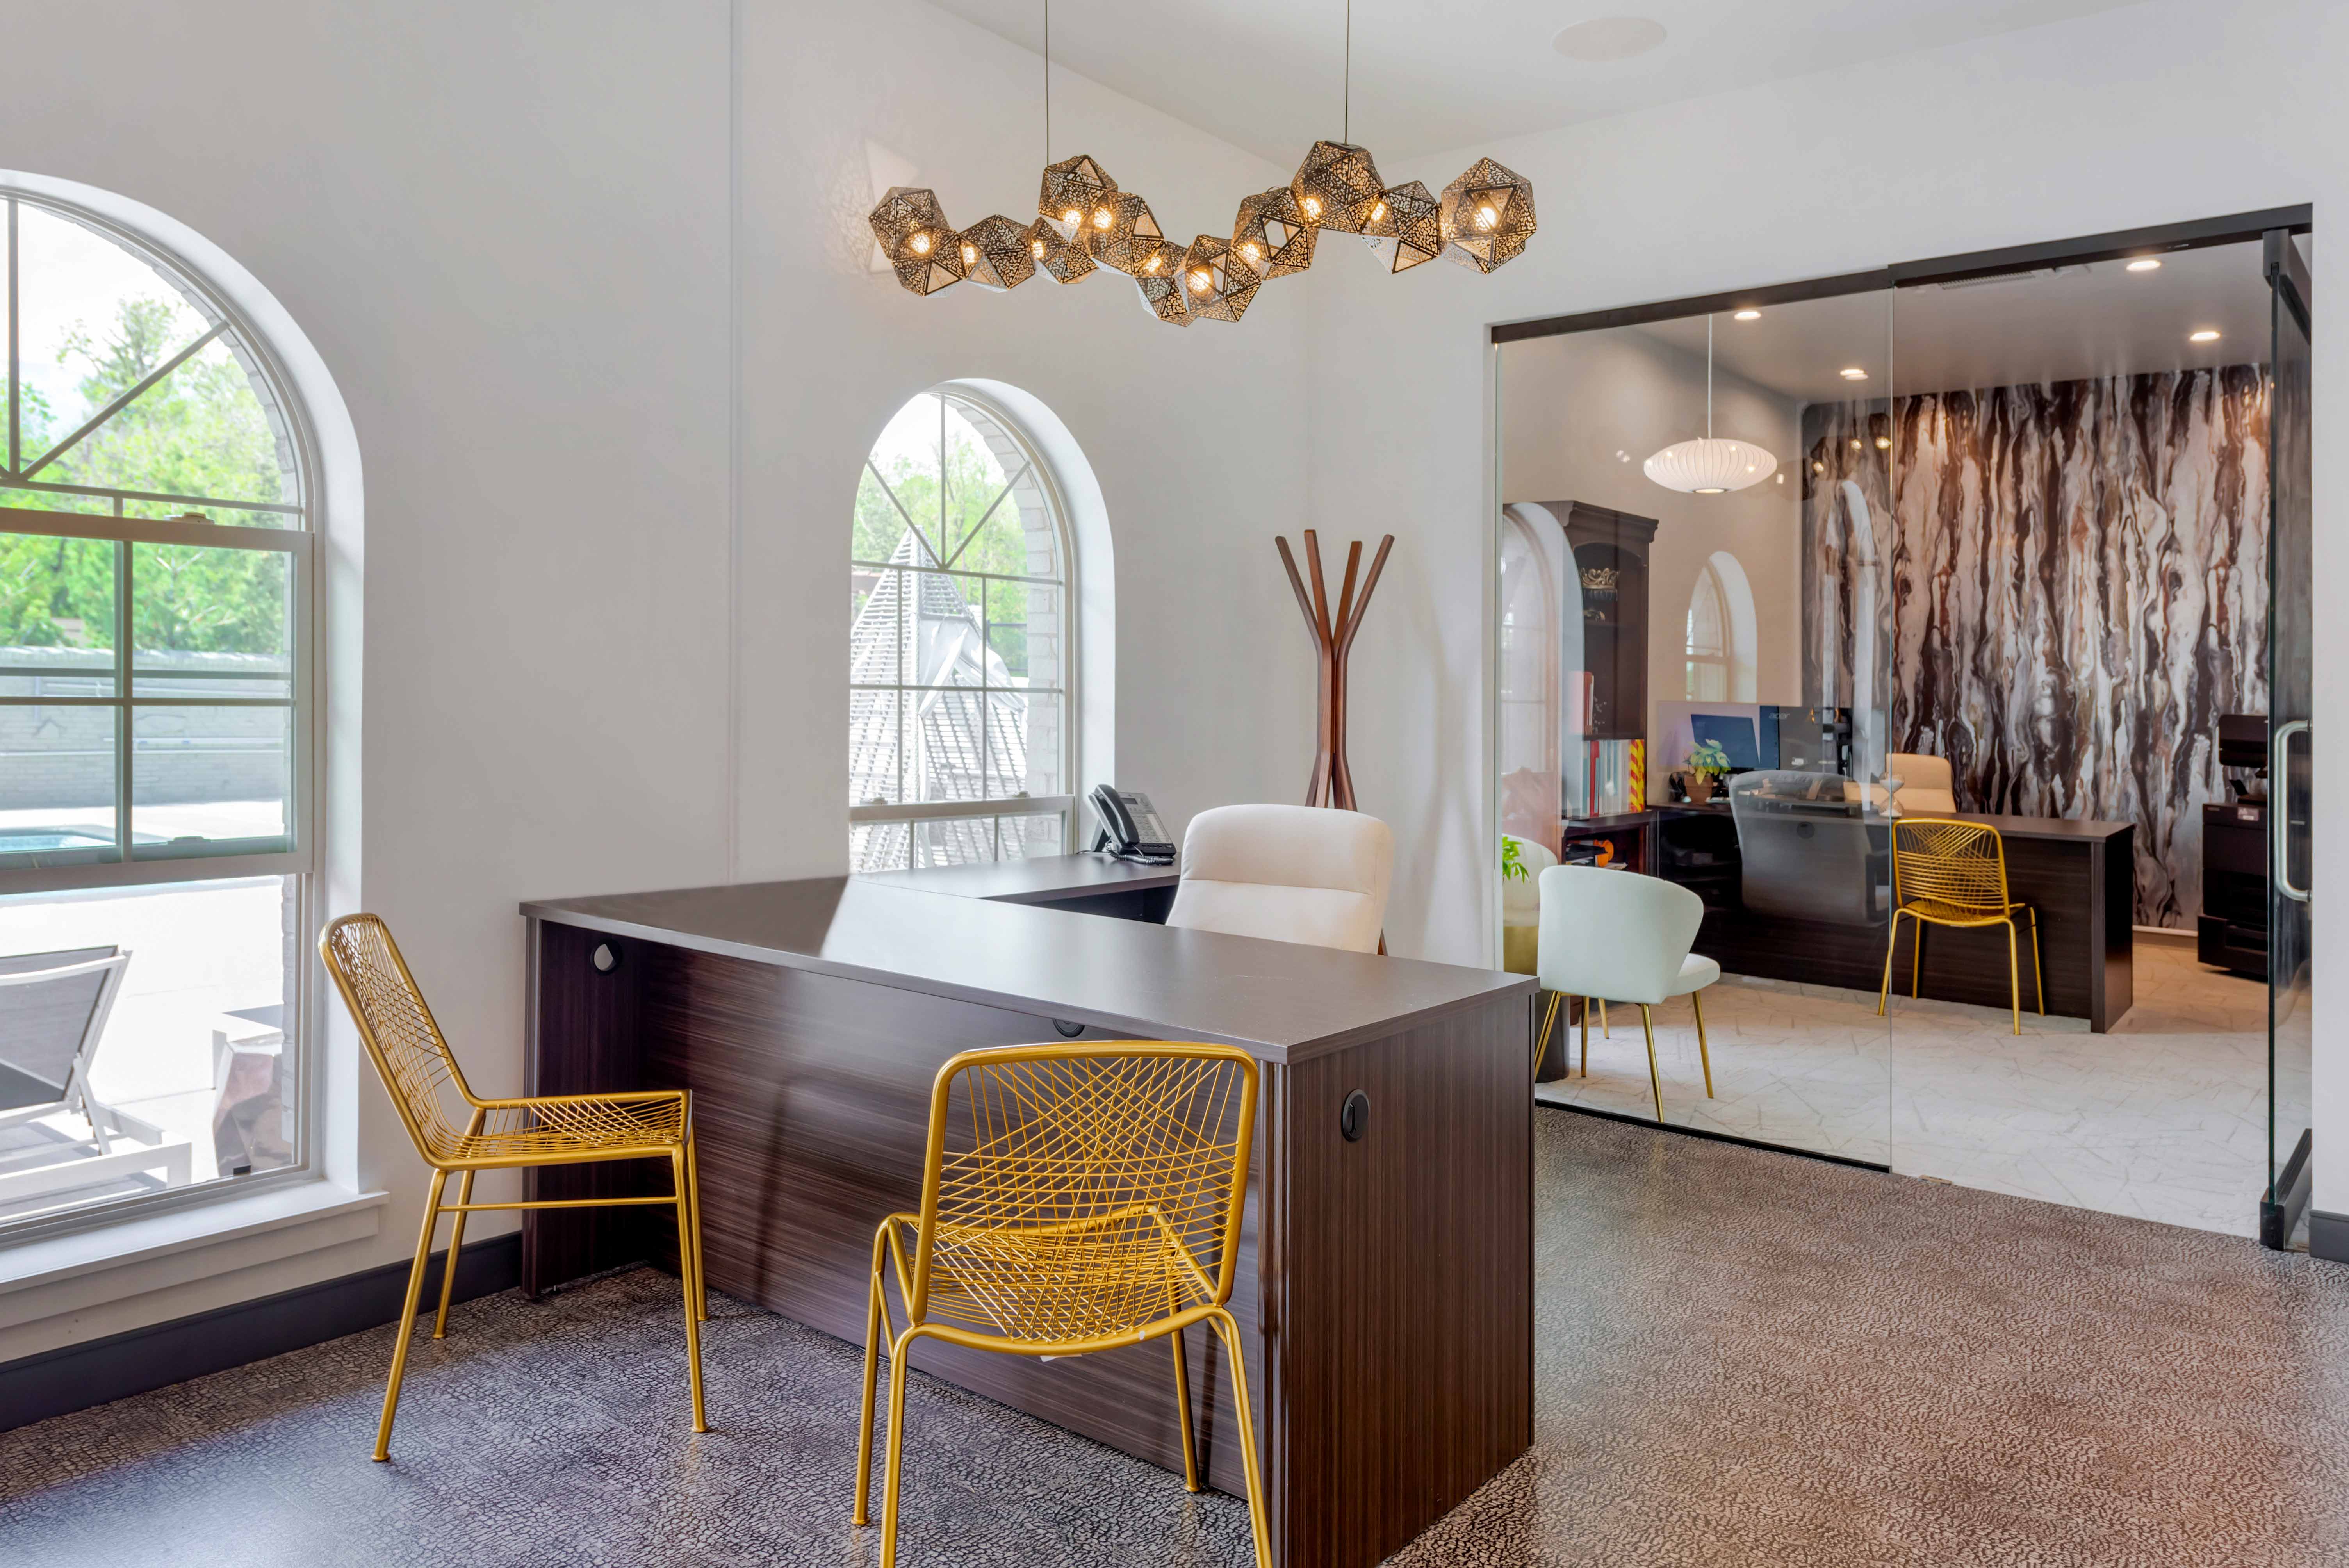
x: 2173, y: 110
x: 1573, y: 409
x: 507, y: 228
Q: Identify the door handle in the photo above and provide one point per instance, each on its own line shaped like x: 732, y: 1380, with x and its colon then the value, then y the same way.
x: 2279, y: 808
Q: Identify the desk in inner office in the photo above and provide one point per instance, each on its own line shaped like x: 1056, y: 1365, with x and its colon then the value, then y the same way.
x: 2080, y: 876
x: 1384, y: 1285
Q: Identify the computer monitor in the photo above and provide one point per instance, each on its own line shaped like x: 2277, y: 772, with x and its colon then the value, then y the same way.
x: 1735, y: 736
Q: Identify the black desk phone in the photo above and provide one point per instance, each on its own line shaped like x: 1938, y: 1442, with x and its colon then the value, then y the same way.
x: 1129, y: 827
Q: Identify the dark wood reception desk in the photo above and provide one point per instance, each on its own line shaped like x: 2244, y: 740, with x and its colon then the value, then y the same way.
x: 1385, y: 1285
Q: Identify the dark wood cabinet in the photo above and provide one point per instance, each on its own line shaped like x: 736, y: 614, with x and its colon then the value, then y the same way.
x: 1610, y: 563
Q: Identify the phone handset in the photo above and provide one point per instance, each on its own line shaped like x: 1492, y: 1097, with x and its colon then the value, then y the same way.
x: 1129, y: 827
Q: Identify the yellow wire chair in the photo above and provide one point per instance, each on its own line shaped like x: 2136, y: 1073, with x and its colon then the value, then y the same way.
x: 1949, y: 872
x: 1095, y: 1203
x: 419, y: 1070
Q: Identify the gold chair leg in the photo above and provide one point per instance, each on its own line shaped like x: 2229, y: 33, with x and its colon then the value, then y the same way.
x: 1916, y: 955
x: 2038, y: 975
x: 1183, y: 1410
x: 407, y: 1315
x: 1703, y: 1055
x: 448, y: 1269
x: 1605, y: 1031
x: 693, y: 1199
x: 1258, y: 1519
x: 1587, y: 1005
x: 1541, y: 1044
x: 687, y: 1267
x: 1891, y: 947
x: 894, y: 1459
x: 872, y: 1331
x: 1655, y: 1079
x: 2013, y: 976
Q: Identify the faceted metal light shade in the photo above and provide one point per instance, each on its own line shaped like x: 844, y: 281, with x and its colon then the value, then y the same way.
x: 996, y: 253
x: 1405, y: 229
x: 1118, y: 232
x: 1158, y: 273
x: 1337, y: 186
x: 1062, y: 260
x: 1269, y: 235
x: 1487, y: 215
x: 1710, y: 465
x: 915, y: 235
x: 1218, y: 282
x: 1071, y: 188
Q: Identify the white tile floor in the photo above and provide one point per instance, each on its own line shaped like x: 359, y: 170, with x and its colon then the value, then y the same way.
x: 2163, y: 1119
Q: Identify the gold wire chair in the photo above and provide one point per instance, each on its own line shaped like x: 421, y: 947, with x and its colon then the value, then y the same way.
x: 420, y: 1072
x: 1095, y: 1203
x: 1949, y: 872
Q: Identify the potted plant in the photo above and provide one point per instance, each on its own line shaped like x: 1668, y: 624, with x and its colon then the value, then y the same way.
x: 1707, y: 764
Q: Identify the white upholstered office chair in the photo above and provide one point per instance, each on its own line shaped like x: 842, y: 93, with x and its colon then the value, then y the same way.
x: 1927, y: 787
x: 1289, y: 874
x: 1626, y: 937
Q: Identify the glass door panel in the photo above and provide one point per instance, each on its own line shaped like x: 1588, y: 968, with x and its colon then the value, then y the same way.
x: 2291, y: 582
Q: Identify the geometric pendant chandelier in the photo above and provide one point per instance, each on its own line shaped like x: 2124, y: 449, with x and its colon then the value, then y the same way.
x: 1710, y: 465
x: 1085, y: 223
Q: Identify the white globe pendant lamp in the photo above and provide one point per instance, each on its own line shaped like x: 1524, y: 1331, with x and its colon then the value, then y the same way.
x: 1710, y: 465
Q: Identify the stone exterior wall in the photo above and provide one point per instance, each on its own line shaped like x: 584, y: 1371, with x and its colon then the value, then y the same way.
x: 63, y: 755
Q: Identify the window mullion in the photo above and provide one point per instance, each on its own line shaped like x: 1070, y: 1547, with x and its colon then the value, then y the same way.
x: 16, y: 440
x: 122, y: 711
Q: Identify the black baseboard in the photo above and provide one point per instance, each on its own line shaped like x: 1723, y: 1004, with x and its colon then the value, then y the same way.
x: 76, y: 1377
x: 2328, y: 1235
x: 1652, y: 1125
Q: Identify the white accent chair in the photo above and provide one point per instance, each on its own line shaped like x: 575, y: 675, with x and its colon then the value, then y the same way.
x: 1927, y: 787
x: 1288, y: 874
x: 1624, y: 936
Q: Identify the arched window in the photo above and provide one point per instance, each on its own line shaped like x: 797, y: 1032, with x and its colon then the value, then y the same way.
x: 1719, y: 638
x: 961, y: 741
x: 157, y: 766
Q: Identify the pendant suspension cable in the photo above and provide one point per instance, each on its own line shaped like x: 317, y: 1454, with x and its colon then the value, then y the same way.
x: 1346, y: 119
x: 1708, y: 377
x: 1048, y: 80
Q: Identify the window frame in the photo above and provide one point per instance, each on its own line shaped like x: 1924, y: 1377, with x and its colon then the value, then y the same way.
x: 981, y: 412
x: 1724, y: 657
x: 297, y: 857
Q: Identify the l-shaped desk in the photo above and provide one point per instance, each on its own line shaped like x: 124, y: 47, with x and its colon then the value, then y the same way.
x: 1386, y: 1282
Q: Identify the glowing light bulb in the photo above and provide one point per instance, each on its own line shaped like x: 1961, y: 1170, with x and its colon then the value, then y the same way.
x: 2144, y: 264
x: 1070, y: 216
x: 1487, y: 215
x: 1101, y: 219
x: 1201, y: 282
x: 1747, y: 315
x: 970, y: 254
x: 1151, y: 265
x: 1313, y: 206
x: 1818, y: 467
x: 1251, y: 251
x: 921, y: 243
x: 1883, y: 443
x: 1378, y: 213
x: 1854, y: 373
x: 2205, y: 336
x: 1036, y: 249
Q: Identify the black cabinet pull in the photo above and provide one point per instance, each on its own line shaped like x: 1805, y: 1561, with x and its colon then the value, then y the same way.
x: 1354, y: 1116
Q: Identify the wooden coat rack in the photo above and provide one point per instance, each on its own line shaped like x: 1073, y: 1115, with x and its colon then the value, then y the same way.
x: 1332, y: 783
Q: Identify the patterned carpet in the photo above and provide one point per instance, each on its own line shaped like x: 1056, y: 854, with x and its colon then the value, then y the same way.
x: 1744, y: 1358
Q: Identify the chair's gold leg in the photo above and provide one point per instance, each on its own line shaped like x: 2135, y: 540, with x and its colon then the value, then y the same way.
x: 1916, y: 953
x: 1703, y: 1055
x: 1541, y: 1044
x: 2014, y: 976
x: 861, y: 1516
x: 685, y: 1268
x: 1891, y: 947
x: 1258, y: 1519
x: 894, y: 1459
x: 407, y: 1315
x: 448, y: 1269
x: 693, y: 1199
x: 1183, y: 1411
x: 2038, y: 975
x: 1606, y: 1032
x: 1588, y: 1002
x: 1655, y: 1079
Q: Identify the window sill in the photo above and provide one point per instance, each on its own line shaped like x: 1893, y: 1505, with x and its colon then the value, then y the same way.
x: 108, y: 1263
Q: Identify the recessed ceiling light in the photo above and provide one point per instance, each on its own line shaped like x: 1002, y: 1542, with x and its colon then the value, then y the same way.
x: 1603, y: 39
x: 2208, y: 335
x: 1747, y: 315
x: 1854, y: 373
x: 2144, y: 264
x: 1883, y: 443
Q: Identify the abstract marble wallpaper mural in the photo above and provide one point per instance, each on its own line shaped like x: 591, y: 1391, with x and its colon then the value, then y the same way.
x: 2070, y: 587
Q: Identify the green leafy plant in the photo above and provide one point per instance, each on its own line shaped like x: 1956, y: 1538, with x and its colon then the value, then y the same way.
x: 1707, y: 757
x: 1513, y: 864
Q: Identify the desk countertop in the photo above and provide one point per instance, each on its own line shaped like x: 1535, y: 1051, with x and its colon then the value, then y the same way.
x: 1284, y: 1001
x: 2052, y: 828
x: 1046, y: 879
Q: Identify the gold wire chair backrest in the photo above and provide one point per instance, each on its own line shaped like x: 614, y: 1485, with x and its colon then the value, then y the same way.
x: 1935, y: 860
x: 410, y: 1051
x: 1098, y: 1187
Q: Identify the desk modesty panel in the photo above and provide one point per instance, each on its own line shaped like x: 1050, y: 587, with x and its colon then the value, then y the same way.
x: 1385, y: 1286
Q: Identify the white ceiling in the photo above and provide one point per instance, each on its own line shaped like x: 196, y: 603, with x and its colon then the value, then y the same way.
x: 1432, y: 76
x: 2101, y: 321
